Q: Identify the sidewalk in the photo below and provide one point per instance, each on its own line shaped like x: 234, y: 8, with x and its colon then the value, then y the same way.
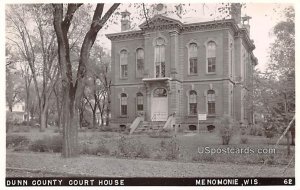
x: 113, y: 167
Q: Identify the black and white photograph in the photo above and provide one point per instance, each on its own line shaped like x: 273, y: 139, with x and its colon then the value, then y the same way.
x: 149, y: 94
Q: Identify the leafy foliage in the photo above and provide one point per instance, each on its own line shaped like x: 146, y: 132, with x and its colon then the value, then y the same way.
x: 226, y: 126
x: 47, y: 144
x: 16, y: 140
x: 274, y: 94
x: 132, y: 148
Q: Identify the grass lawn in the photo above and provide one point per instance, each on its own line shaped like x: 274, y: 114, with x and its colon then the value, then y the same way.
x: 184, y: 147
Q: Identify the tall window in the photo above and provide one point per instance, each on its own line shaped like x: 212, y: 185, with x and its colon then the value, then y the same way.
x: 193, y: 58
x: 124, y: 63
x: 193, y: 102
x: 123, y: 104
x: 140, y: 101
x: 211, y: 57
x: 211, y: 105
x: 139, y: 62
x: 160, y: 65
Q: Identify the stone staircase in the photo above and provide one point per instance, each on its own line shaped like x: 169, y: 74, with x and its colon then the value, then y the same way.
x: 149, y: 126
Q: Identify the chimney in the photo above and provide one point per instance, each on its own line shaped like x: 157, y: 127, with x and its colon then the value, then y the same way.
x: 245, y: 20
x: 235, y: 12
x: 125, y: 20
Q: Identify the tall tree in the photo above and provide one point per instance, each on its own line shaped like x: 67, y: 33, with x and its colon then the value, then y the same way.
x: 274, y: 95
x: 31, y: 32
x: 73, y: 88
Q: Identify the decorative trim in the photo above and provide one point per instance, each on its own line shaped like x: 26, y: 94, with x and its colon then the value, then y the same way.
x: 190, y: 42
x: 125, y: 35
x: 123, y: 48
x: 159, y: 36
x: 165, y: 23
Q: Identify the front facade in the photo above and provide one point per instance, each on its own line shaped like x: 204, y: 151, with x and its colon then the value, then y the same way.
x: 169, y: 67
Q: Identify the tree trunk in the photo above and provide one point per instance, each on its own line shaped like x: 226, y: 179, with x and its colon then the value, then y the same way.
x: 293, y: 135
x: 80, y: 118
x: 94, y: 119
x: 288, y: 143
x: 108, y: 107
x: 58, y: 114
x: 70, y: 129
x: 43, y: 120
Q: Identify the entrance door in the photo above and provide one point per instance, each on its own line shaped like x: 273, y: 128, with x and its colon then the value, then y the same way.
x: 159, y: 105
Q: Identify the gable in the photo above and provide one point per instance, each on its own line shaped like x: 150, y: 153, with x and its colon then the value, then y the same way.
x: 159, y: 20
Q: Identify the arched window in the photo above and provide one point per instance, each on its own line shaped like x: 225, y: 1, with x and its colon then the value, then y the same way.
x: 139, y: 102
x: 211, y: 102
x: 193, y: 58
x: 193, y: 102
x: 211, y: 57
x: 139, y: 62
x: 159, y: 51
x: 124, y: 64
x: 123, y: 104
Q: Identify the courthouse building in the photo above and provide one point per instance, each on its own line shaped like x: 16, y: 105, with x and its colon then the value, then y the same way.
x: 182, y: 67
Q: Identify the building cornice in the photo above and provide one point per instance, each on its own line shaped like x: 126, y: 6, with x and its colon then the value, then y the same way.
x: 160, y: 23
x: 125, y: 35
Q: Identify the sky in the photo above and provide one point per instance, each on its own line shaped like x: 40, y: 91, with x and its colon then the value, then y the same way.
x: 264, y: 18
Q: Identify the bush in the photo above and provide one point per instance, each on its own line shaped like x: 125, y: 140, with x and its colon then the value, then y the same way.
x: 106, y: 129
x: 269, y: 133
x: 226, y: 127
x: 159, y: 134
x: 172, y: 150
x: 16, y: 140
x: 60, y: 131
x: 98, y: 149
x: 256, y: 131
x: 132, y: 148
x: 244, y: 140
x: 21, y: 128
x: 47, y: 144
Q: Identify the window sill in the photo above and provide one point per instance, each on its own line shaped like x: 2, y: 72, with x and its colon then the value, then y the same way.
x: 212, y: 73
x: 123, y: 116
x: 123, y: 78
x: 192, y: 116
x: 211, y: 115
x: 193, y: 74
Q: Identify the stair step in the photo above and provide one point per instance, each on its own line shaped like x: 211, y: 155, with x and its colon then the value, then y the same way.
x: 147, y: 126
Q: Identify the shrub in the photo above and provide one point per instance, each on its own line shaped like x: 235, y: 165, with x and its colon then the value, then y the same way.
x: 21, y: 128
x: 106, y: 129
x: 256, y: 131
x: 60, y: 131
x: 159, y: 134
x: 226, y: 127
x: 132, y: 148
x: 269, y: 133
x: 16, y: 140
x: 244, y: 140
x: 47, y: 144
x: 163, y: 144
x: 92, y: 149
x: 102, y: 150
x: 172, y: 150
